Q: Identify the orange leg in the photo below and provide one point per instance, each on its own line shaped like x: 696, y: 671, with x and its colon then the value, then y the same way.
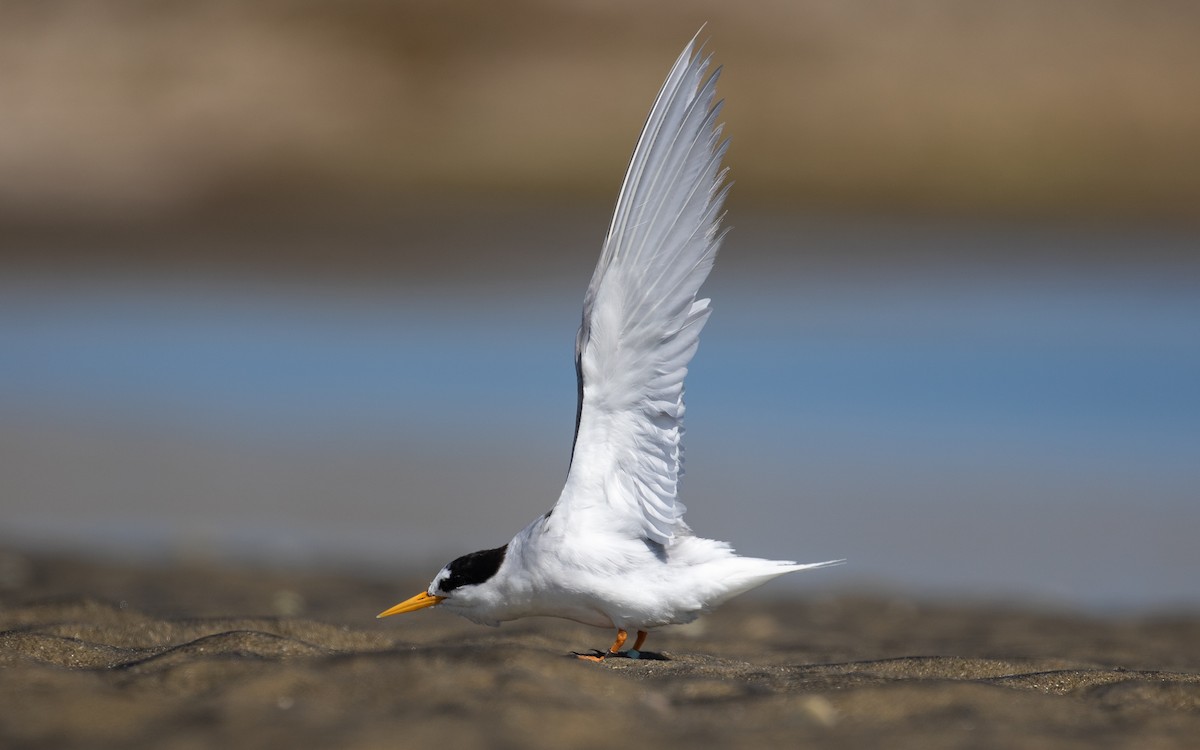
x: 641, y: 638
x: 621, y: 636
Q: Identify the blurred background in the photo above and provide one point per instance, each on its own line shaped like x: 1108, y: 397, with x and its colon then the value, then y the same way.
x: 296, y: 283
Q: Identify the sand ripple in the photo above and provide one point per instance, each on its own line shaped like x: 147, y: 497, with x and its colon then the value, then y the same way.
x: 86, y: 672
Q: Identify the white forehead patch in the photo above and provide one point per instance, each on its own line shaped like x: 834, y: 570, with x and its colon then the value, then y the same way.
x: 436, y: 583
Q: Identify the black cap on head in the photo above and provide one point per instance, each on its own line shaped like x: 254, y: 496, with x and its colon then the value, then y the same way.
x: 474, y: 568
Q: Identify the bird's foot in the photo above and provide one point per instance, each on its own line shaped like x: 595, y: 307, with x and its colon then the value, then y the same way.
x: 597, y: 655
x: 615, y: 650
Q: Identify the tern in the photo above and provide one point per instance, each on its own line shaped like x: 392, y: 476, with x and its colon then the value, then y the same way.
x: 614, y: 551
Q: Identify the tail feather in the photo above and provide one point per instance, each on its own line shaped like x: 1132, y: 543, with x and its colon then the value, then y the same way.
x: 751, y: 572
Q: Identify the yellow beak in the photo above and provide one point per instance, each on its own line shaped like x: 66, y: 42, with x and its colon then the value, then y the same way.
x: 420, y: 601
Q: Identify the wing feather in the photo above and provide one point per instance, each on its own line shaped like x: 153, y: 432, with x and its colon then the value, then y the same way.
x: 641, y: 316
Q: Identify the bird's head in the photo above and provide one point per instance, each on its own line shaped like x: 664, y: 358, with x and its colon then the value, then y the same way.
x: 461, y: 586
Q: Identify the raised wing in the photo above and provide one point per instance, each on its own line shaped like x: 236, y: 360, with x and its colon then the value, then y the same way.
x: 641, y: 319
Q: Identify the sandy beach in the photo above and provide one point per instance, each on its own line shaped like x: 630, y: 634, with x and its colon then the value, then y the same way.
x: 105, y: 654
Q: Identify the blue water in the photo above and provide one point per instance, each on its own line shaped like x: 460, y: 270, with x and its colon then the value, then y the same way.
x: 1011, y: 430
